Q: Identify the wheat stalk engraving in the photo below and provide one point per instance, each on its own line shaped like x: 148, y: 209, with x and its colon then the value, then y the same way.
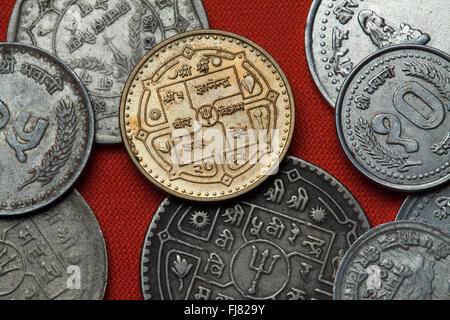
x: 61, y: 150
x: 135, y: 29
x: 381, y: 154
x: 431, y: 75
x: 92, y: 64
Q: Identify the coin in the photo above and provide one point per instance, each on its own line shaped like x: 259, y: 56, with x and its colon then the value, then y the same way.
x: 207, y: 115
x: 400, y: 260
x: 341, y: 33
x: 392, y: 118
x: 102, y: 40
x: 57, y: 254
x: 431, y: 208
x: 284, y: 240
x: 46, y: 128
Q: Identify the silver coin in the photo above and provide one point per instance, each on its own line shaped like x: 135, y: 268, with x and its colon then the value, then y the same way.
x: 431, y: 208
x: 46, y: 128
x: 102, y: 40
x: 401, y: 260
x: 56, y: 254
x: 392, y: 117
x: 341, y: 33
x: 284, y: 240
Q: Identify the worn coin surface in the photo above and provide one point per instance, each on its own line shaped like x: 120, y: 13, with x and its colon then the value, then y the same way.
x: 46, y: 128
x: 207, y: 115
x: 401, y: 260
x: 430, y: 208
x: 102, y: 40
x: 393, y: 120
x: 283, y: 240
x: 58, y: 253
x: 341, y: 33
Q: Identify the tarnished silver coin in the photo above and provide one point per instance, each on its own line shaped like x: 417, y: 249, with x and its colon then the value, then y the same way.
x: 401, y: 260
x: 102, y: 40
x: 341, y: 33
x: 57, y: 254
x: 46, y: 128
x: 283, y: 240
x: 393, y: 120
x: 431, y: 208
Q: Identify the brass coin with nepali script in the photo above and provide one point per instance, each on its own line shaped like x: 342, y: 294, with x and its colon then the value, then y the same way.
x: 207, y: 115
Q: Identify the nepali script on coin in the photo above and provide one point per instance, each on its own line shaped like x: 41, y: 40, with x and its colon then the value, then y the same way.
x: 102, y: 40
x: 207, y: 115
x: 401, y: 260
x: 284, y: 240
x: 431, y: 208
x: 341, y: 33
x: 57, y: 254
x: 46, y: 128
x: 393, y: 117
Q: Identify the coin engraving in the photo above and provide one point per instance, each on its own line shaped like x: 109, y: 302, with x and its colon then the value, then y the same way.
x: 102, y: 41
x: 396, y: 261
x: 38, y: 252
x: 46, y: 128
x: 335, y: 28
x: 394, y: 137
x: 431, y: 208
x: 256, y: 247
x: 207, y: 115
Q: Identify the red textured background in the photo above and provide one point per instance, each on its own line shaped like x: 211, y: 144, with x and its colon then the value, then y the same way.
x: 124, y: 201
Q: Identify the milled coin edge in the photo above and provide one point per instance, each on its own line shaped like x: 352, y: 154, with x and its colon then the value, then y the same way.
x: 321, y: 173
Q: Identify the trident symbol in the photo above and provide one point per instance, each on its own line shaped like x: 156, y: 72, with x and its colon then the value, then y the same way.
x: 206, y: 113
x: 260, y: 269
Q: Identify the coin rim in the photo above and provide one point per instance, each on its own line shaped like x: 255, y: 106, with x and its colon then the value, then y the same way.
x: 406, y: 210
x: 339, y: 126
x: 407, y: 205
x: 361, y: 241
x: 90, y: 136
x: 165, y: 43
x: 327, y: 177
x: 11, y: 36
x: 309, y: 51
x: 95, y: 225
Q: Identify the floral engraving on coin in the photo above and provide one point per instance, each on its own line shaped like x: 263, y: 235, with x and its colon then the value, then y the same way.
x: 260, y: 246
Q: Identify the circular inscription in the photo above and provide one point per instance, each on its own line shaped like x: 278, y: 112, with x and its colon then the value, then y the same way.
x: 392, y: 118
x: 396, y: 261
x: 284, y: 240
x: 226, y: 115
x: 58, y: 253
x: 341, y: 33
x: 431, y: 208
x: 46, y: 128
x: 102, y: 40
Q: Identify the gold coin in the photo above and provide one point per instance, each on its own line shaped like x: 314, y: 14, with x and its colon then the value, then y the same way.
x: 207, y: 115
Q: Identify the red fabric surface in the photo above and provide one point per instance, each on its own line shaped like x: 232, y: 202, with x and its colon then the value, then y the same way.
x: 124, y: 201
